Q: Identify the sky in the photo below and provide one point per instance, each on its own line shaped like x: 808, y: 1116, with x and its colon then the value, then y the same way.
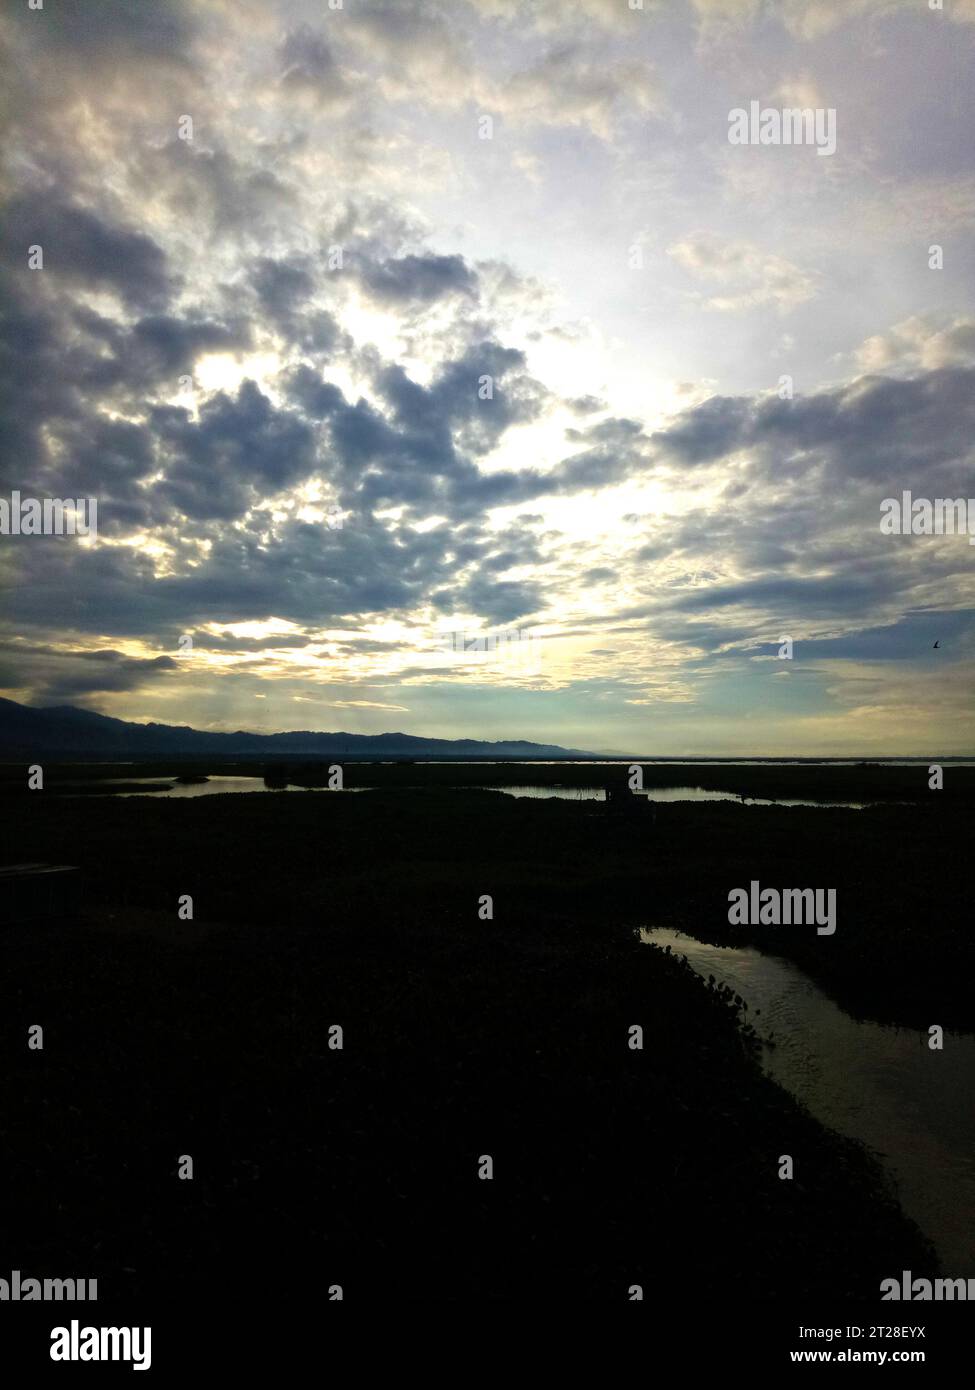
x: 442, y: 366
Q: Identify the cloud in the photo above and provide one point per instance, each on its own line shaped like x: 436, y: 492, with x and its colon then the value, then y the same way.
x: 153, y: 351
x: 750, y: 276
x: 807, y: 19
x: 237, y: 451
x: 418, y: 51
x: 554, y: 14
x: 418, y: 280
x: 102, y: 30
x: 57, y: 674
x: 920, y: 342
x: 884, y: 430
x: 661, y: 553
x: 415, y: 50
x: 81, y: 248
x: 288, y: 291
x: 567, y: 87
x: 813, y: 19
x: 365, y: 704
x: 309, y: 68
x: 214, y: 192
x: 738, y: 11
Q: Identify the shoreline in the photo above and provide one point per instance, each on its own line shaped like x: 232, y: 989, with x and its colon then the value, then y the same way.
x: 864, y: 782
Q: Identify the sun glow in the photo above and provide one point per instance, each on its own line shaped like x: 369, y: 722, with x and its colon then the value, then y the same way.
x: 224, y: 371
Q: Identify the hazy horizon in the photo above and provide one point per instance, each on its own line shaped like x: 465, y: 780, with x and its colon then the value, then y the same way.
x: 612, y: 753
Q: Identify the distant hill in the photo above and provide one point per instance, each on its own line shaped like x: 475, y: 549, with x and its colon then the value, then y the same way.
x: 66, y: 731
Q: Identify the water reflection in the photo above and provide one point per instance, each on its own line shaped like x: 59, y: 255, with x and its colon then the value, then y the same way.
x: 559, y: 793
x: 212, y: 787
x: 220, y: 785
x: 665, y: 794
x: 882, y: 1086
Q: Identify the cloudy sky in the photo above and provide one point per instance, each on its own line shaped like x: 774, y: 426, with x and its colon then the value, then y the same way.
x: 372, y: 324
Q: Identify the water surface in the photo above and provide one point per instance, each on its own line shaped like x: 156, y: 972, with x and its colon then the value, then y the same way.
x: 666, y: 794
x: 213, y: 786
x: 880, y: 1085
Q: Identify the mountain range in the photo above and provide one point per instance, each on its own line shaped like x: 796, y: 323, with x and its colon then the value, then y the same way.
x: 66, y: 731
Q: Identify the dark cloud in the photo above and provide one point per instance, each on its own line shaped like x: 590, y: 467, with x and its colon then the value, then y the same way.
x: 107, y: 671
x: 884, y: 431
x: 305, y: 54
x: 82, y: 248
x: 419, y: 280
x: 239, y: 450
x: 154, y: 351
x: 459, y: 395
x: 910, y: 639
x: 35, y: 371
x: 108, y: 459
x: 106, y: 30
x: 58, y: 674
x: 823, y: 597
x: 707, y: 433
x: 498, y: 602
x: 309, y: 68
x: 616, y: 430
x: 596, y: 469
x: 318, y: 398
x: 282, y: 286
x: 67, y: 372
x: 285, y: 291
x: 214, y: 191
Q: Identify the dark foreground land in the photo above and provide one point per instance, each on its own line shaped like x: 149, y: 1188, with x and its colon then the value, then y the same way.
x: 462, y: 1037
